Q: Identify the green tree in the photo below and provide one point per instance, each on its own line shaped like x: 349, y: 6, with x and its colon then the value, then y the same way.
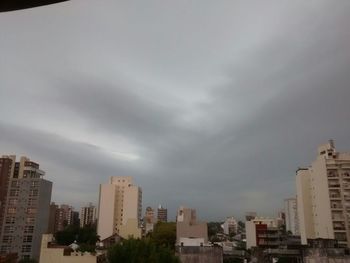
x: 140, y: 251
x: 164, y: 234
x: 86, y: 237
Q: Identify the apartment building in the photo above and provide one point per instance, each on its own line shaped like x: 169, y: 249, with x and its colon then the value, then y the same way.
x: 120, y: 207
x: 323, y: 197
x: 88, y: 215
x: 149, y: 220
x: 26, y: 210
x: 291, y: 215
x: 262, y: 232
x: 162, y: 214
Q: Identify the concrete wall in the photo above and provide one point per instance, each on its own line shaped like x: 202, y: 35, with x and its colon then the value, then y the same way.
x: 199, y: 254
x: 304, y: 203
x: 56, y: 255
x: 106, y: 220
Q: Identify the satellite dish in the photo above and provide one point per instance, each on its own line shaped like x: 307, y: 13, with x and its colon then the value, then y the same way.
x: 12, y: 5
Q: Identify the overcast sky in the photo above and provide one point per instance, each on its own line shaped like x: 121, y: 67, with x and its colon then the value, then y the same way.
x: 208, y: 104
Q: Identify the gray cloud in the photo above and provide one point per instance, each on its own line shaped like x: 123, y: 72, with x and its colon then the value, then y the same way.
x: 211, y: 105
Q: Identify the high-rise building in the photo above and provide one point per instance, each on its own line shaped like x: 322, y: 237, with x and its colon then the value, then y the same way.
x: 26, y: 210
x: 291, y: 215
x: 6, y: 170
x: 162, y: 214
x: 120, y: 207
x: 323, y: 197
x: 88, y: 215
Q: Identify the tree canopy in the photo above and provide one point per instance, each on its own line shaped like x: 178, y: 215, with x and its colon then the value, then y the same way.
x: 86, y: 237
x: 140, y: 251
x: 164, y: 234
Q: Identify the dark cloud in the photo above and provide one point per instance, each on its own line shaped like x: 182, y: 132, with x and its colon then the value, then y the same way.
x: 213, y: 108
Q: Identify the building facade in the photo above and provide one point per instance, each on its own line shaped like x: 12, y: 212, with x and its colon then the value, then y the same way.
x: 262, y: 232
x: 291, y: 215
x: 323, y: 197
x: 162, y: 214
x: 190, y: 232
x: 26, y: 213
x: 88, y: 215
x: 149, y: 220
x: 230, y: 226
x: 120, y: 207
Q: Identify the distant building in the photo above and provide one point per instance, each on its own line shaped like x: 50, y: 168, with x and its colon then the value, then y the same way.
x: 323, y: 197
x: 88, y: 215
x: 162, y: 214
x: 250, y: 215
x: 262, y: 232
x: 52, y: 218
x: 26, y: 209
x: 230, y: 226
x: 120, y: 207
x: 190, y: 232
x: 149, y: 219
x: 291, y: 214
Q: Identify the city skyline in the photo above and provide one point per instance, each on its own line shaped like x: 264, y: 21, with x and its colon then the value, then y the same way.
x: 214, y: 106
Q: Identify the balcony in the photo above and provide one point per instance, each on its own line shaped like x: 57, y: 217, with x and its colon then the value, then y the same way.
x: 335, y: 197
x: 334, y: 185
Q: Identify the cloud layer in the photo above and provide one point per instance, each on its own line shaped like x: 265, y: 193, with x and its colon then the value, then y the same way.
x: 210, y: 105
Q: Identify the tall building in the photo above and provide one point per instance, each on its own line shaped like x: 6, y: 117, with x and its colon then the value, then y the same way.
x: 323, y: 197
x: 26, y: 210
x: 162, y: 214
x: 291, y: 215
x: 88, y: 215
x: 120, y: 207
x: 190, y: 232
x: 6, y: 170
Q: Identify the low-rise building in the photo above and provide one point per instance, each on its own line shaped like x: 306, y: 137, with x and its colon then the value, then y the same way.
x: 262, y: 232
x: 51, y: 253
x: 190, y: 232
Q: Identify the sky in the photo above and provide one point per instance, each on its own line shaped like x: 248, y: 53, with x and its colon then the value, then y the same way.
x: 209, y: 104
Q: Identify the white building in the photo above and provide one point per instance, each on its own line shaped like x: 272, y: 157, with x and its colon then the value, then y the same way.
x: 88, y: 215
x: 230, y: 226
x: 291, y: 215
x: 120, y: 205
x: 323, y: 197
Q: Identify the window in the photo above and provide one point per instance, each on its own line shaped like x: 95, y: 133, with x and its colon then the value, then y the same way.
x: 31, y: 210
x: 32, y: 202
x: 14, y: 192
x: 26, y: 248
x: 4, y: 249
x: 7, y: 239
x: 34, y: 184
x: 28, y: 229
x: 10, y: 220
x: 11, y: 210
x: 15, y: 184
x: 30, y: 220
x: 9, y: 229
x: 13, y: 201
x: 27, y: 239
x: 33, y: 192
